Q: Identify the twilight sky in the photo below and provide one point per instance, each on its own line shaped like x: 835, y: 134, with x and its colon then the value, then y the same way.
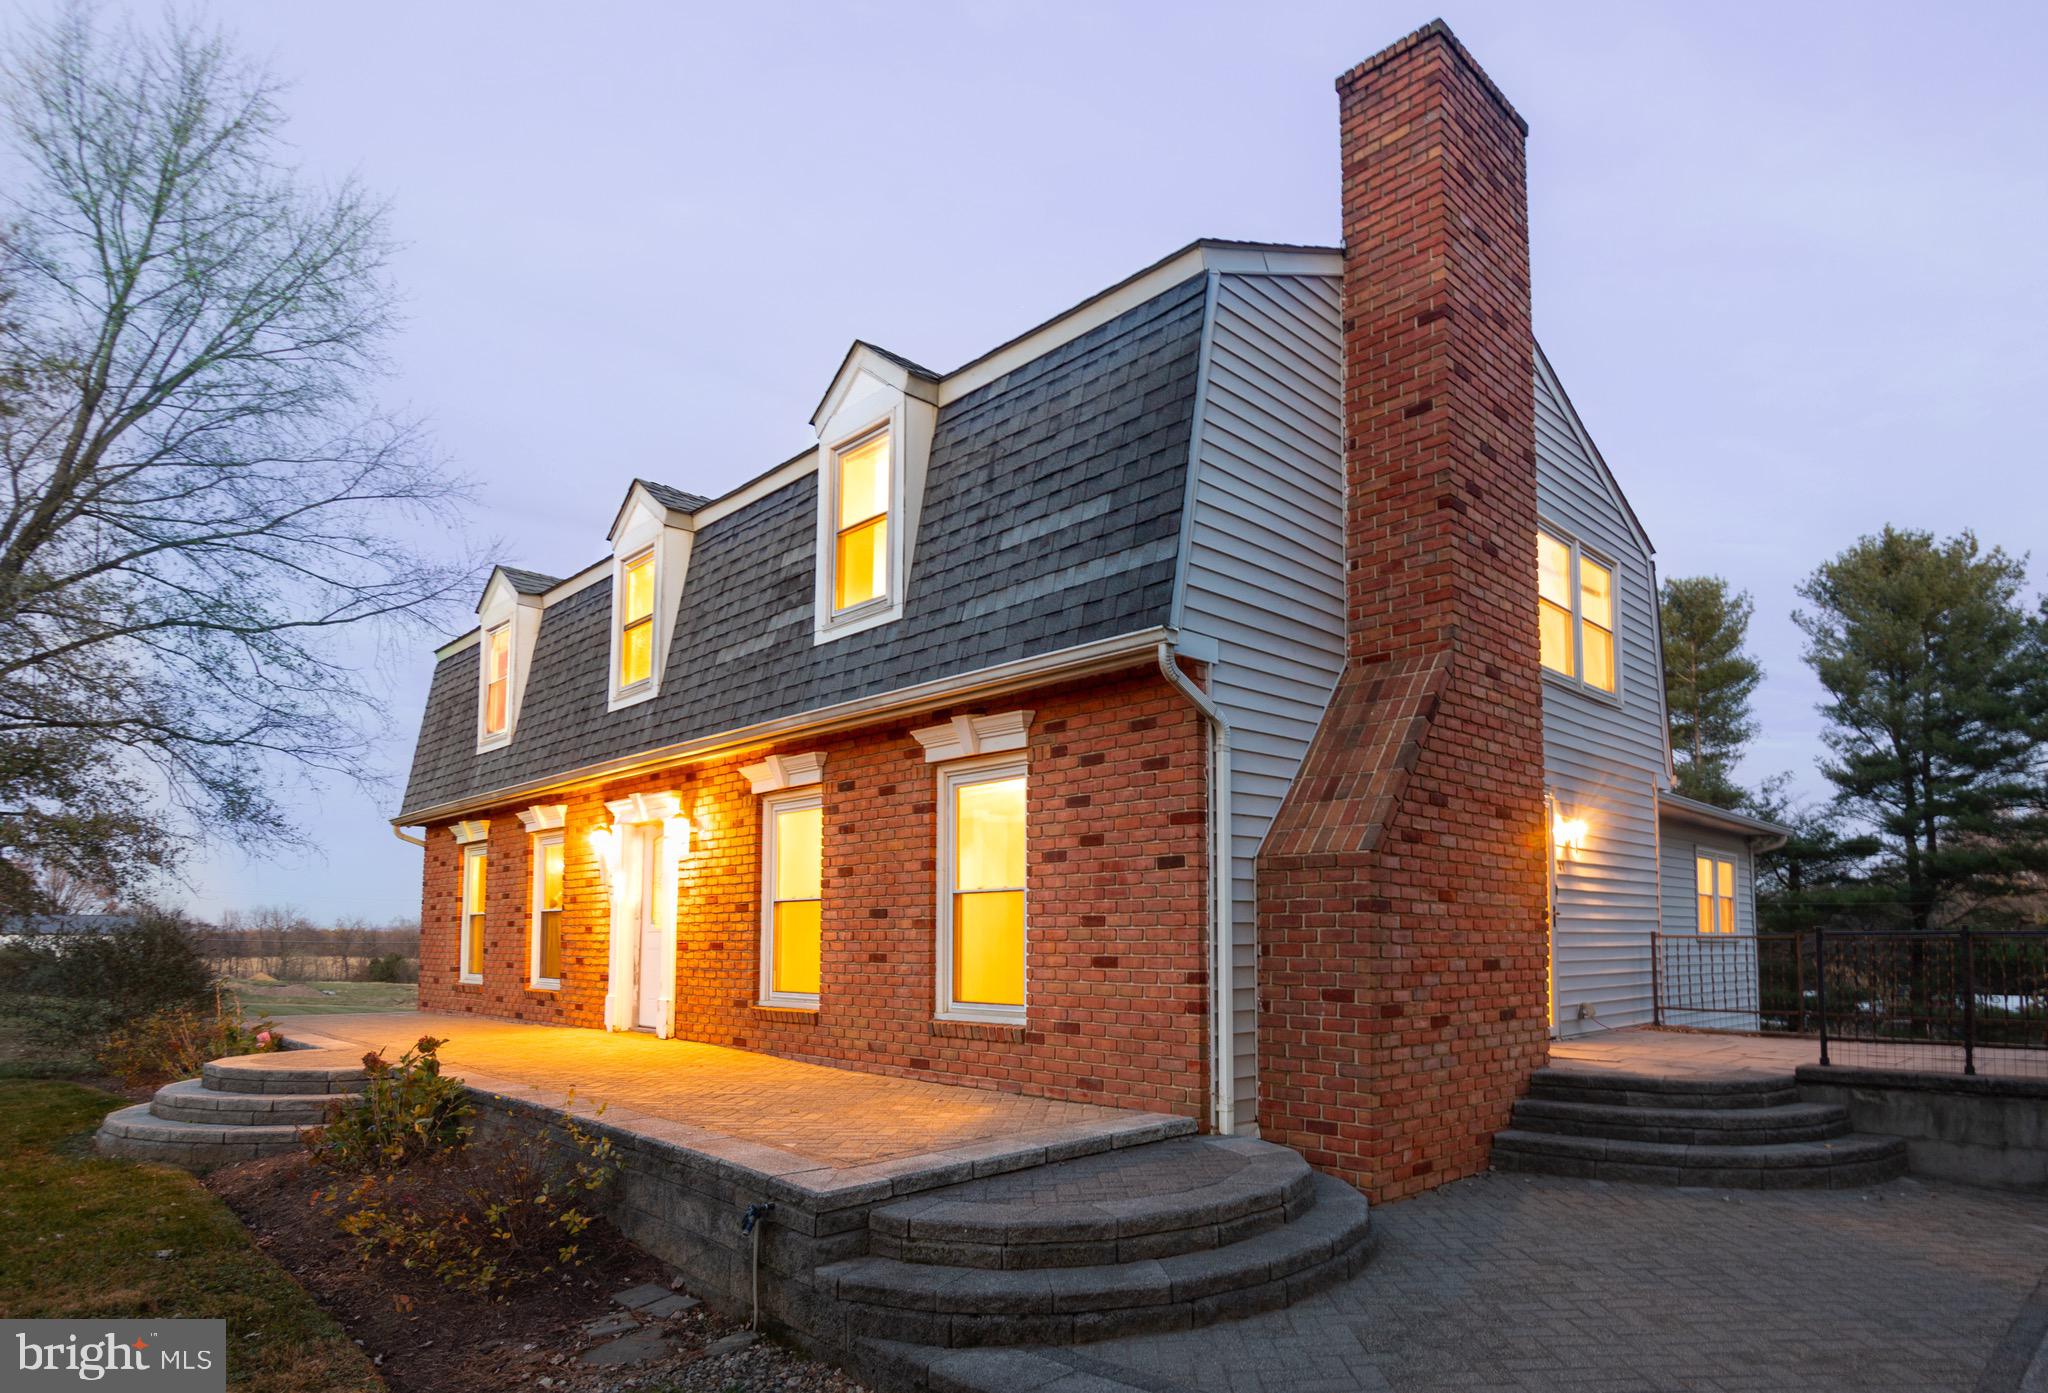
x: 1788, y: 259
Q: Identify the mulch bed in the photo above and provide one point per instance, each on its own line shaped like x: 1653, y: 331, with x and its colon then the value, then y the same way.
x: 426, y: 1339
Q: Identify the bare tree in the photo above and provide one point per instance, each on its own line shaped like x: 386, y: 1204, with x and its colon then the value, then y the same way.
x: 204, y: 513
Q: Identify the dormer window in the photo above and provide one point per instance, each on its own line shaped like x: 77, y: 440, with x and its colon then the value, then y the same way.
x: 497, y: 680
x: 860, y: 556
x: 636, y: 620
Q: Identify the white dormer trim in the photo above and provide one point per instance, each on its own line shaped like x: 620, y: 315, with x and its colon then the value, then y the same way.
x: 475, y: 829
x: 778, y: 772
x: 544, y: 817
x: 966, y: 736
x: 502, y: 604
x: 646, y: 525
x: 872, y: 392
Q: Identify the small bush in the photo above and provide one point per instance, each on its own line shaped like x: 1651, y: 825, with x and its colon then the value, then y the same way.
x: 390, y: 967
x: 174, y: 1043
x: 486, y: 1218
x: 408, y: 1111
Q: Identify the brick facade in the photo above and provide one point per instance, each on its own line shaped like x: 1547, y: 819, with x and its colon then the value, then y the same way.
x: 1402, y: 893
x: 1117, y: 896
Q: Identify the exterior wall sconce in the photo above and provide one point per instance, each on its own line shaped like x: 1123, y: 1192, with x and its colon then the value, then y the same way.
x: 1567, y: 833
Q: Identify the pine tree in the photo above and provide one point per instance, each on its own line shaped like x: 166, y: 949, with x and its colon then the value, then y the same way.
x: 1937, y: 678
x: 1709, y: 678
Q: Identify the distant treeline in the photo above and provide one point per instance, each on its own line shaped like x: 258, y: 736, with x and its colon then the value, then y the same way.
x: 291, y: 948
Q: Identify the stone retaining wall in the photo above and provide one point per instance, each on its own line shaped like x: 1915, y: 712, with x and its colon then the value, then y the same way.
x: 1982, y: 1131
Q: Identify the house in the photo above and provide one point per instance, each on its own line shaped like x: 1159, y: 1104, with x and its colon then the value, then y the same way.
x: 1199, y: 703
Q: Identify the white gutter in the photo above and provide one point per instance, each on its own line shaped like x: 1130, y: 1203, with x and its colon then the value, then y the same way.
x: 1104, y: 655
x: 1222, y: 1036
x: 405, y: 836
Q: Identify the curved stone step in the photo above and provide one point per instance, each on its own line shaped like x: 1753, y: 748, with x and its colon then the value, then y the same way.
x: 1179, y: 1196
x: 1842, y: 1163
x: 287, y: 1071
x: 139, y: 1135
x: 189, y: 1100
x: 962, y: 1306
x: 1658, y: 1091
x: 1784, y: 1122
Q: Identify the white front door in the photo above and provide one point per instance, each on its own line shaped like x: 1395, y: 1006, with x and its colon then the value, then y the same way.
x: 647, y: 1013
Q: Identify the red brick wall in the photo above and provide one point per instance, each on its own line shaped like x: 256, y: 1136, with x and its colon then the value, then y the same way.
x: 1403, y: 951
x: 1117, y: 979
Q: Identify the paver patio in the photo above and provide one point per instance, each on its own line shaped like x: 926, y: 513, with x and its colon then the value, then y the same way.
x: 1719, y: 1054
x: 817, y: 1118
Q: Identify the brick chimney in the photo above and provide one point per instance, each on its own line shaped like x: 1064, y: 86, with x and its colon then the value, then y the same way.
x: 1403, y: 943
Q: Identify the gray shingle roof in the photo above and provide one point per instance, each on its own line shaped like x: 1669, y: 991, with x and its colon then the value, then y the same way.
x: 682, y: 500
x: 1051, y: 517
x: 529, y: 582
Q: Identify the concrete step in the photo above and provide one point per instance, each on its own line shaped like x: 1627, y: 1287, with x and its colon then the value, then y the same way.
x: 189, y: 1100
x: 954, y: 1307
x: 1845, y: 1162
x: 1181, y: 1196
x: 1657, y: 1091
x: 1785, y: 1122
x: 140, y: 1135
x: 287, y: 1071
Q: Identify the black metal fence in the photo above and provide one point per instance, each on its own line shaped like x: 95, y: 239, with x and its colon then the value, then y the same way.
x: 1962, y: 1000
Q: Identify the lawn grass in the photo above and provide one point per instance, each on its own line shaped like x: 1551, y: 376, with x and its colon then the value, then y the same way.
x: 88, y: 1237
x: 320, y: 998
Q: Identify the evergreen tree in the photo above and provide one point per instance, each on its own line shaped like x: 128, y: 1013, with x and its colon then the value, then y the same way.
x: 1708, y: 680
x: 1937, y: 710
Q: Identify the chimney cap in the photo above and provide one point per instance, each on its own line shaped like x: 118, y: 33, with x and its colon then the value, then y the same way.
x: 1440, y: 31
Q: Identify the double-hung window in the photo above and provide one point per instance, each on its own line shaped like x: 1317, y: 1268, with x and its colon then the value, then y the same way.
x: 1714, y: 888
x: 981, y: 890
x: 497, y: 679
x: 472, y: 946
x: 546, y: 967
x: 1576, y: 613
x: 792, y: 876
x: 860, y: 550
x: 636, y: 620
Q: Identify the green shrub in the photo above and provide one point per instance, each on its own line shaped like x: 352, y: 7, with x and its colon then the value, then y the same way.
x: 174, y: 1043
x: 407, y: 1111
x: 390, y: 967
x: 485, y: 1218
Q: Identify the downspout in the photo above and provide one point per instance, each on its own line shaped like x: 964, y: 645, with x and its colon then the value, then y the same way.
x: 405, y: 836
x: 1223, y: 1074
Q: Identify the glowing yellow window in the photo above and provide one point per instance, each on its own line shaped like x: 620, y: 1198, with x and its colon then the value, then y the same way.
x: 473, y: 911
x: 497, y: 678
x: 795, y: 858
x: 860, y: 559
x: 547, y: 947
x: 987, y: 874
x: 1596, y: 615
x: 1554, y: 588
x: 636, y: 621
x: 1714, y: 892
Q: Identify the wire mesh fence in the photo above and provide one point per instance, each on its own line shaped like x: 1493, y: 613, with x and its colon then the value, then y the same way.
x: 1969, y: 1001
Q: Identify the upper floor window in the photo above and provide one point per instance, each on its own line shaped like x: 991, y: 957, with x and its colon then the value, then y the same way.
x: 860, y: 553
x: 1714, y: 887
x: 497, y: 679
x: 981, y: 890
x: 1575, y: 603
x: 636, y: 620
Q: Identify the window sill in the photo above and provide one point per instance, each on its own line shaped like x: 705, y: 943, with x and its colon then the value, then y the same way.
x: 543, y: 985
x: 786, y: 1013
x: 858, y: 620
x: 1584, y: 689
x: 632, y: 696
x: 486, y: 743
x: 464, y: 980
x: 952, y: 1028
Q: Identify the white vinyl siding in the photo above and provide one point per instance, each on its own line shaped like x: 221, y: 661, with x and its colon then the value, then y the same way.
x: 1603, y: 755
x: 1265, y: 569
x: 1708, y: 974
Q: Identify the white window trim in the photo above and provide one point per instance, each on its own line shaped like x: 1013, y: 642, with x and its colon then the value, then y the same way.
x: 1719, y: 858
x: 771, y: 847
x: 623, y: 694
x: 1576, y: 677
x: 487, y: 739
x: 888, y: 606
x: 950, y: 777
x: 479, y: 850
x: 539, y: 844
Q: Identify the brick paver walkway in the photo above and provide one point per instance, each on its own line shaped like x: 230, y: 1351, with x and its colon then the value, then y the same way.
x: 1713, y: 1054
x: 1531, y: 1283
x: 829, y: 1117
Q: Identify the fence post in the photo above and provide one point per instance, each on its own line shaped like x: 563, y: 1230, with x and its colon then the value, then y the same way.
x: 1799, y: 978
x: 1656, y: 979
x: 1820, y: 970
x: 1969, y: 1005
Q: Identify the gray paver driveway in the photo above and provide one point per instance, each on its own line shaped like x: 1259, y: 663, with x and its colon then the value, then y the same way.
x: 1523, y: 1282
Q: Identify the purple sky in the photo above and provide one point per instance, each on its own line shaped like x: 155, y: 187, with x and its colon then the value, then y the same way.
x: 1788, y: 258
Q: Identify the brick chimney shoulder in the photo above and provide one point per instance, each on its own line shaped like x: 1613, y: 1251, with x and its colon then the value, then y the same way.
x: 1403, y: 948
